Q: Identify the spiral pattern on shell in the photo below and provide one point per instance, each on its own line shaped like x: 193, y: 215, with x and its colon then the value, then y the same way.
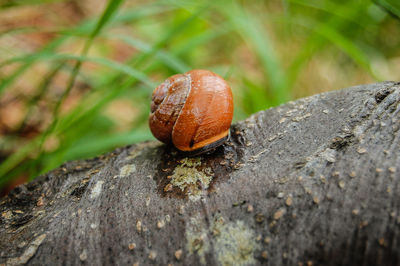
x: 192, y: 111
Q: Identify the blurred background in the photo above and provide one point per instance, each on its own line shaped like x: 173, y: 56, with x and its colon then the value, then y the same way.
x: 76, y: 76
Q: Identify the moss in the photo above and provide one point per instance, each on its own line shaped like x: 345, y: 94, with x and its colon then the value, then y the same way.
x: 191, y: 180
x: 197, y: 239
x: 126, y: 170
x: 235, y: 243
x: 96, y: 191
x: 190, y: 162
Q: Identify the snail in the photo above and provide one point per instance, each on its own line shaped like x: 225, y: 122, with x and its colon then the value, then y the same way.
x: 193, y: 111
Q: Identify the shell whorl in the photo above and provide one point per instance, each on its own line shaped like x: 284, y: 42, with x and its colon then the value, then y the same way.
x: 192, y: 110
x: 167, y: 102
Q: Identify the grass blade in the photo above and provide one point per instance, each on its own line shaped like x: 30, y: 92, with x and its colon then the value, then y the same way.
x: 19, y: 156
x: 168, y: 59
x: 251, y: 30
x: 391, y: 6
x: 340, y: 40
x: 108, y: 12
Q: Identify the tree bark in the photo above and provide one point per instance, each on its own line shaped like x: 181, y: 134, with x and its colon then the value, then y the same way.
x: 315, y: 181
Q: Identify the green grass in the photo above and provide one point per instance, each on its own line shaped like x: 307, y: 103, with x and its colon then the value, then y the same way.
x: 391, y: 6
x: 266, y: 50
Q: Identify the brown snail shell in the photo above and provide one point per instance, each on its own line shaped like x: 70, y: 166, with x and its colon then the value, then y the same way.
x: 193, y: 111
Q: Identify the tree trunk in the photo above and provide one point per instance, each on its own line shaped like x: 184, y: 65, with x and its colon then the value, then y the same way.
x: 315, y: 181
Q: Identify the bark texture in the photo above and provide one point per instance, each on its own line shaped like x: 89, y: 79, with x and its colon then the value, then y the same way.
x: 315, y: 181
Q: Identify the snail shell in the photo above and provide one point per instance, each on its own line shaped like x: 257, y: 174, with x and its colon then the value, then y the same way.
x: 193, y: 111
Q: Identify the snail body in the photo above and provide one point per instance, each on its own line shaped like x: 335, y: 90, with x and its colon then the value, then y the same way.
x: 193, y: 111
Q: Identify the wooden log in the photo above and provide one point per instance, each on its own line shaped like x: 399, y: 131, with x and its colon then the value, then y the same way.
x: 311, y: 182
